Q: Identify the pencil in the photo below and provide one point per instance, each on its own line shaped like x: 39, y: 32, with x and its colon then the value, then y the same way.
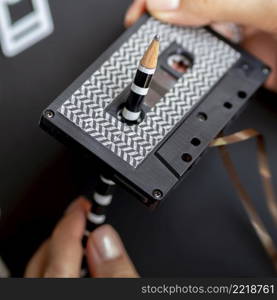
x: 100, y: 200
x: 140, y: 86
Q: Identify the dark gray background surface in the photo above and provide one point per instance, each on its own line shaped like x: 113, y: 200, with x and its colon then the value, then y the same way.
x: 200, y: 230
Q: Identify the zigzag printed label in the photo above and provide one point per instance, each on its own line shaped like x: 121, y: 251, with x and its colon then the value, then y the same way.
x: 85, y: 108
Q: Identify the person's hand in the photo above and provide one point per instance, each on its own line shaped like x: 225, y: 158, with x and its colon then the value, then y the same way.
x: 61, y: 255
x: 258, y: 19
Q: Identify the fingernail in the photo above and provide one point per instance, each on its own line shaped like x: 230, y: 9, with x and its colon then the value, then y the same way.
x: 107, y: 243
x: 164, y: 4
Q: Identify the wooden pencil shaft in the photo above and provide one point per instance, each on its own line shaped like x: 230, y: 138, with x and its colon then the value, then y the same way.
x: 150, y: 57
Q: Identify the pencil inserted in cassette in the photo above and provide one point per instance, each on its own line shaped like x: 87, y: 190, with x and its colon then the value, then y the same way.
x: 174, y: 62
x: 201, y: 82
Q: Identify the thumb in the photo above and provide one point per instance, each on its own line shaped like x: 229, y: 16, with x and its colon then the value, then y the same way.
x: 107, y: 257
x: 260, y: 14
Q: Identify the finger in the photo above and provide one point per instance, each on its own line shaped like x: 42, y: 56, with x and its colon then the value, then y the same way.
x: 134, y: 12
x: 76, y: 204
x: 35, y: 267
x: 178, y: 12
x: 261, y: 14
x: 107, y: 257
x: 65, y: 249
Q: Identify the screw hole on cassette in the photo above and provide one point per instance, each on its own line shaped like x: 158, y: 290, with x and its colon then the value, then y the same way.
x: 195, y: 142
x: 202, y: 117
x: 228, y: 105
x: 49, y: 114
x: 157, y: 194
x: 242, y: 94
x: 245, y: 67
x: 186, y: 157
x: 266, y: 70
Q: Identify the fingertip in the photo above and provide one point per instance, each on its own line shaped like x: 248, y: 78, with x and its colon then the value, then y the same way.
x: 107, y: 242
x: 104, y: 245
x: 71, y: 226
x: 107, y: 256
x: 134, y: 12
x: 81, y: 203
x: 128, y: 20
x: 167, y: 17
x: 163, y: 5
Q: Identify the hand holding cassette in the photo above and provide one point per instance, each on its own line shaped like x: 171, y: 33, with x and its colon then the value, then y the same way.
x: 256, y: 29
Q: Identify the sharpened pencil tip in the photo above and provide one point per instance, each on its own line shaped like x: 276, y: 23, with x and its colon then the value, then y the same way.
x: 157, y: 37
x: 150, y: 57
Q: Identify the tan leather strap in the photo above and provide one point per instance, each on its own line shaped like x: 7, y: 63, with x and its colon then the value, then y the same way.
x: 264, y: 170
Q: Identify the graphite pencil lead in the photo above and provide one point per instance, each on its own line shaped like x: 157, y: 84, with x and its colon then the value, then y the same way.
x: 157, y: 37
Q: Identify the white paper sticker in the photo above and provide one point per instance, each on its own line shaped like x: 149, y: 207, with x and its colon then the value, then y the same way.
x: 27, y: 31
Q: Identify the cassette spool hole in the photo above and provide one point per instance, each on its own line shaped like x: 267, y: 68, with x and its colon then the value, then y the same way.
x: 179, y: 62
x: 202, y: 117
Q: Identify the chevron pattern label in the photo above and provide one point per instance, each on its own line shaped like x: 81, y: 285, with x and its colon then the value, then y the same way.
x: 86, y: 107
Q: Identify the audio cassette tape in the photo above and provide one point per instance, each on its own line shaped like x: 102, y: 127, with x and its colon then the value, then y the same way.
x: 202, y: 82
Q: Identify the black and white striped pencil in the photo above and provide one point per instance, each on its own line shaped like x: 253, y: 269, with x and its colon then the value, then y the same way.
x: 132, y: 110
x: 100, y: 200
